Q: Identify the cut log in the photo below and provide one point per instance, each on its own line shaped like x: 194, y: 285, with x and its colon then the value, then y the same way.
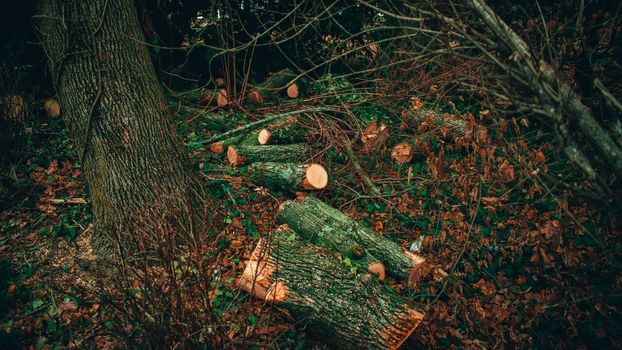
x: 244, y: 154
x: 209, y: 119
x: 289, y: 177
x: 292, y: 91
x: 345, y: 310
x: 327, y: 227
x: 264, y: 136
x: 283, y: 131
x: 454, y: 126
x: 51, y: 107
x: 297, y: 88
x: 208, y: 96
x: 220, y: 146
x: 256, y: 124
x: 374, y: 136
x: 218, y: 98
x: 220, y: 82
x: 405, y: 151
x: 249, y: 139
x: 277, y: 82
x: 255, y: 96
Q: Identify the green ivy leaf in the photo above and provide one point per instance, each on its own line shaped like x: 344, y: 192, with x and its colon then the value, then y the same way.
x: 37, y: 303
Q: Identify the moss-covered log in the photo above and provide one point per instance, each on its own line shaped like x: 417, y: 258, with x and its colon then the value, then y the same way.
x: 245, y: 154
x: 213, y: 97
x: 277, y: 82
x: 283, y: 131
x: 289, y: 176
x: 345, y: 310
x: 327, y: 227
x: 209, y: 119
x: 249, y: 139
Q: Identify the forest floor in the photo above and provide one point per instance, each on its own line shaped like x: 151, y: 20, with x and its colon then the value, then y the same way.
x: 531, y: 264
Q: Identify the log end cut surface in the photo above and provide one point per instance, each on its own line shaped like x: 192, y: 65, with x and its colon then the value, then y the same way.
x: 397, y: 334
x: 51, y: 107
x: 233, y: 156
x: 316, y: 177
x: 264, y: 136
x: 255, y: 96
x: 292, y: 91
x: 221, y: 98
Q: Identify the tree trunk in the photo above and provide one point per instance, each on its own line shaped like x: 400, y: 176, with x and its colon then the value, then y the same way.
x: 116, y: 112
x: 327, y: 227
x: 13, y: 113
x: 288, y: 176
x: 346, y: 310
x: 244, y: 154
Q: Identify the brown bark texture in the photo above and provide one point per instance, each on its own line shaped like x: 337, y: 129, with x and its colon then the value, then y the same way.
x: 345, y: 310
x: 116, y: 112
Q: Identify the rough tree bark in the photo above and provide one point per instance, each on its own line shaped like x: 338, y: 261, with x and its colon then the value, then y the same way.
x: 13, y: 113
x: 245, y: 154
x: 289, y: 177
x: 346, y: 310
x: 327, y: 227
x: 116, y: 112
x: 282, y: 132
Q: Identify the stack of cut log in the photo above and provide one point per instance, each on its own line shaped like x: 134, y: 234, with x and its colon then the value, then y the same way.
x: 321, y: 267
x: 275, y: 155
x: 216, y: 96
x: 282, y: 83
x: 325, y: 269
